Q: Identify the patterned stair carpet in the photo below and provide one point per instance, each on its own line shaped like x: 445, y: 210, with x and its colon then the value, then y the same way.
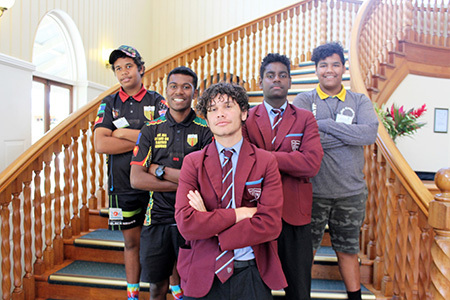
x: 107, y: 275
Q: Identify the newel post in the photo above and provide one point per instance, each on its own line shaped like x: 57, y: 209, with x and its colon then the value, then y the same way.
x: 439, y: 219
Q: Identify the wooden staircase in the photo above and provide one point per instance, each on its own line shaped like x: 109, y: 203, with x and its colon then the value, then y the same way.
x: 93, y: 262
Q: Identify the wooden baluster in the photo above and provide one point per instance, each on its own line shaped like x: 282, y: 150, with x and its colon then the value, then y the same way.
x: 426, y: 240
x: 350, y: 20
x: 297, y: 35
x: 290, y: 52
x: 412, y: 253
x: 390, y: 44
x: 323, y: 22
x: 93, y: 203
x: 383, y: 30
x: 152, y: 83
x: 248, y: 61
x: 272, y: 34
x: 260, y: 49
x: 67, y: 230
x: 241, y: 57
x: 400, y: 244
x: 28, y: 278
x: 442, y: 23
x: 201, y: 65
x: 400, y: 32
x: 395, y: 21
x: 282, y: 46
x: 101, y: 191
x: 391, y: 227
x: 39, y: 266
x: 234, y: 77
x: 84, y: 211
x: 421, y: 22
x: 214, y: 72
x: 208, y: 75
x: 387, y: 192
x: 407, y: 20
x: 5, y: 200
x: 57, y: 240
x: 254, y: 58
x: 332, y: 21
x: 228, y: 61
x: 17, y: 235
x: 48, y: 252
x: 434, y: 13
x: 438, y: 218
x: 345, y: 19
x: 447, y: 37
x: 75, y: 220
x: 370, y: 169
x: 374, y: 218
x: 303, y: 37
x: 309, y: 43
x: 267, y: 31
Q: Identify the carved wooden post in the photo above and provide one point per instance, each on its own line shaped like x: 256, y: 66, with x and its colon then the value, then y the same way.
x: 439, y: 219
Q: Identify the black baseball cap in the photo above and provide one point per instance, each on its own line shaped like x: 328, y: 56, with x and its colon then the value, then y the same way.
x: 127, y: 50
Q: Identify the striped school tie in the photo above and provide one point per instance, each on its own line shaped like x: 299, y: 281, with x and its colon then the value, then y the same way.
x: 276, y: 122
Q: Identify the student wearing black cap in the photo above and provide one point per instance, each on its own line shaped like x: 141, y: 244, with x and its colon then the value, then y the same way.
x: 119, y: 120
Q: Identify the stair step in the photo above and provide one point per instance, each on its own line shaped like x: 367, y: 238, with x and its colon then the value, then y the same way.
x: 112, y: 276
x: 101, y: 239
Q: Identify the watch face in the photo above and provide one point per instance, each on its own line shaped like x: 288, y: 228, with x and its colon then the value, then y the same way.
x: 159, y: 172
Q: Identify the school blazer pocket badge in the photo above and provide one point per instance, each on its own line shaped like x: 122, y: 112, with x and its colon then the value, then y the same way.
x: 254, y: 189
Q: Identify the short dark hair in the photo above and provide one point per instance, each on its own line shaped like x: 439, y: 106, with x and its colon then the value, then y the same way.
x: 272, y: 58
x: 127, y: 51
x: 185, y: 71
x: 234, y: 91
x: 326, y: 50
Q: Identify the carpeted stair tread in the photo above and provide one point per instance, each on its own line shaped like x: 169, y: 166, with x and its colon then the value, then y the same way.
x: 334, y: 289
x: 101, y: 239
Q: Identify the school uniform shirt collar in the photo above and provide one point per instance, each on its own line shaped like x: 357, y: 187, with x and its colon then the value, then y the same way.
x: 322, y: 95
x: 236, y: 147
x: 138, y: 97
x: 186, y: 122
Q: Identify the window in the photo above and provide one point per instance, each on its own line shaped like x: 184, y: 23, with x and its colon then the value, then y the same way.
x: 53, y: 83
x: 51, y: 102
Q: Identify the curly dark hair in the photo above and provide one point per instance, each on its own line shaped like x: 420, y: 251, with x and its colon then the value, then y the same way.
x: 234, y: 91
x: 184, y: 71
x: 272, y: 58
x: 326, y: 50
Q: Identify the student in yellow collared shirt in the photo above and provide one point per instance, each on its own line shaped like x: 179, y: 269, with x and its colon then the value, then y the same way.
x: 347, y: 122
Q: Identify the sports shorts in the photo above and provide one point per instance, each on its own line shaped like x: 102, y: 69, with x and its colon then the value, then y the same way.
x: 344, y: 217
x: 158, y: 252
x: 127, y: 211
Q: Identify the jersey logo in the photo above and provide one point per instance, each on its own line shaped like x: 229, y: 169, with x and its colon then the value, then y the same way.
x: 115, y: 113
x: 192, y: 139
x: 149, y: 112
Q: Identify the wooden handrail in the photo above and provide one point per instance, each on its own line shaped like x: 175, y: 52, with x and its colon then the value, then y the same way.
x: 396, y: 234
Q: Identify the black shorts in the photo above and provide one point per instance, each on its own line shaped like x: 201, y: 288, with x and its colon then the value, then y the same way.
x: 159, y: 251
x: 127, y: 211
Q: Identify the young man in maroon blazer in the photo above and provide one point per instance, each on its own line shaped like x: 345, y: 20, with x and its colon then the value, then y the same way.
x: 235, y: 216
x: 293, y: 137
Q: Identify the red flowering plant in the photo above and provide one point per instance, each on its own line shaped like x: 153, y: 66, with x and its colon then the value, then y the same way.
x: 399, y: 122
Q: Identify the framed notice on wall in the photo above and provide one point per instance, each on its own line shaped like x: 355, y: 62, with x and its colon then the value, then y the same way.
x: 441, y: 120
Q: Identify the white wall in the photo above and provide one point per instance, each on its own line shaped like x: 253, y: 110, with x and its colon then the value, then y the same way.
x: 15, y: 100
x: 426, y: 150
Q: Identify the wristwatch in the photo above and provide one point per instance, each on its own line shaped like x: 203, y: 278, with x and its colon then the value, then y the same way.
x: 159, y: 172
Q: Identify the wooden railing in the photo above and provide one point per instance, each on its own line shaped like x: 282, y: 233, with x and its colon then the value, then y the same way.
x: 46, y: 194
x: 407, y: 239
x: 235, y: 55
